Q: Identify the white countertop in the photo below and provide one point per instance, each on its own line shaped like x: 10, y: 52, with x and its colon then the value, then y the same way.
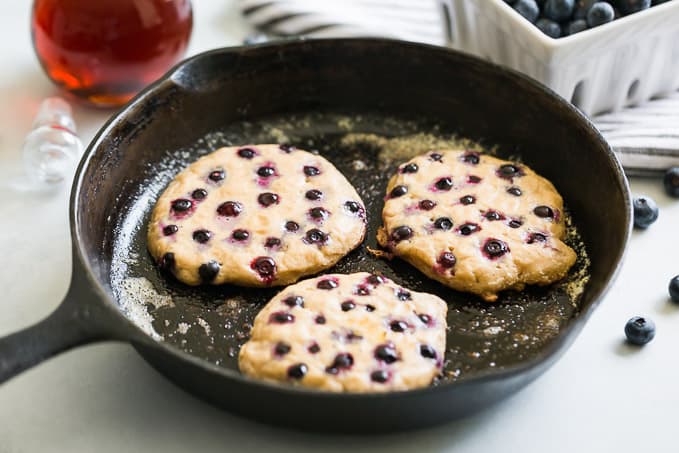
x: 601, y: 396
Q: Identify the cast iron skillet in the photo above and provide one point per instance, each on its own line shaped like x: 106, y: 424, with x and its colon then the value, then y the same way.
x: 312, y: 94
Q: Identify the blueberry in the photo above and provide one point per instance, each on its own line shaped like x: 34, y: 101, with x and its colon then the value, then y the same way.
x: 543, y: 211
x: 427, y: 205
x: 436, y: 157
x: 398, y: 191
x: 318, y: 213
x: 528, y: 9
x: 327, y: 284
x: 320, y: 319
x: 265, y: 266
x: 282, y: 348
x: 645, y: 212
x: 199, y: 194
x: 446, y: 260
x: 467, y: 200
x: 536, y: 237
x: 369, y: 308
x: 343, y: 361
x: 348, y: 305
x: 376, y: 279
x: 281, y: 317
x: 410, y: 168
x: 444, y: 183
x: 353, y: 207
x: 403, y: 295
x: 639, y: 330
x: 266, y: 172
x: 508, y: 171
x: 495, y: 248
x: 272, y: 242
x: 362, y: 291
x: 473, y: 179
x: 514, y: 191
x: 181, y: 205
x: 674, y: 289
x: 216, y: 175
x: 313, y: 195
x: 209, y: 271
x: 443, y: 223
x: 294, y: 301
x: 401, y: 233
x: 549, y: 27
x: 246, y: 153
x: 291, y: 226
x: 398, y: 326
x: 581, y: 8
x: 427, y: 351
x: 632, y: 6
x: 471, y: 157
x: 468, y: 228
x: 287, y: 148
x: 380, y: 376
x: 167, y: 262
x: 574, y: 27
x: 493, y: 216
x: 314, y: 348
x: 169, y: 230
x: 386, y: 353
x: 600, y: 13
x: 202, y: 236
x: 514, y: 223
x: 559, y: 10
x: 266, y: 199
x: 316, y: 236
x: 671, y: 182
x: 425, y: 318
x: 298, y: 371
x: 240, y: 235
x: 230, y: 209
x: 311, y: 171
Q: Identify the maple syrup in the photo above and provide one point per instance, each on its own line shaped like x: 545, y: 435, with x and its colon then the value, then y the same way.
x: 105, y: 51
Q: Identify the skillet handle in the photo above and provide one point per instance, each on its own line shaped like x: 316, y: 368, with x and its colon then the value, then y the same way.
x: 82, y: 318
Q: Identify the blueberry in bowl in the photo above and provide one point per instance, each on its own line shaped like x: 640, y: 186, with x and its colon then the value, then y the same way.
x: 557, y: 18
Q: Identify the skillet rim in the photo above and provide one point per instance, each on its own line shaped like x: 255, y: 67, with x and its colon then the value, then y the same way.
x: 137, y: 336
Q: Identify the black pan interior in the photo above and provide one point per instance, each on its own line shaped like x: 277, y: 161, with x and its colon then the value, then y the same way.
x: 313, y: 95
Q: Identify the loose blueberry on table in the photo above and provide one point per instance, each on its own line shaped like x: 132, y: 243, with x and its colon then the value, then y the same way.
x: 639, y: 330
x: 645, y: 212
x: 671, y: 182
x: 674, y: 289
x: 559, y: 18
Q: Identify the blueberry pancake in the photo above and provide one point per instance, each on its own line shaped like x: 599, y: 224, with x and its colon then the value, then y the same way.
x: 255, y: 216
x: 348, y: 333
x: 476, y: 223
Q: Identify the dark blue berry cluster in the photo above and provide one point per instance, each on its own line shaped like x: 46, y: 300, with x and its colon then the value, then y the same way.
x: 558, y: 18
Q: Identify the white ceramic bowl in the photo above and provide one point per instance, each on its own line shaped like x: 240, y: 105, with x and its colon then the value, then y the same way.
x: 627, y: 61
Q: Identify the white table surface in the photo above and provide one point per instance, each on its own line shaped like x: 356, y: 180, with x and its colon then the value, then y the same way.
x: 602, y: 396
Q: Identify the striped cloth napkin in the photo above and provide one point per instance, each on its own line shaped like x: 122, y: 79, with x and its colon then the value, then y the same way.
x: 646, y: 137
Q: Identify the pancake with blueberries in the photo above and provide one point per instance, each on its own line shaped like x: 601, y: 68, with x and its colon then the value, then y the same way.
x: 262, y: 215
x: 348, y: 333
x: 476, y: 223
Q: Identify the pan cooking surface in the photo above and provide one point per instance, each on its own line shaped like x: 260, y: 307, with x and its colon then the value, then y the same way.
x: 213, y: 322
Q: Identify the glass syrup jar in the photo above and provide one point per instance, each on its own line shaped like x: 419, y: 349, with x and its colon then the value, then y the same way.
x: 105, y: 51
